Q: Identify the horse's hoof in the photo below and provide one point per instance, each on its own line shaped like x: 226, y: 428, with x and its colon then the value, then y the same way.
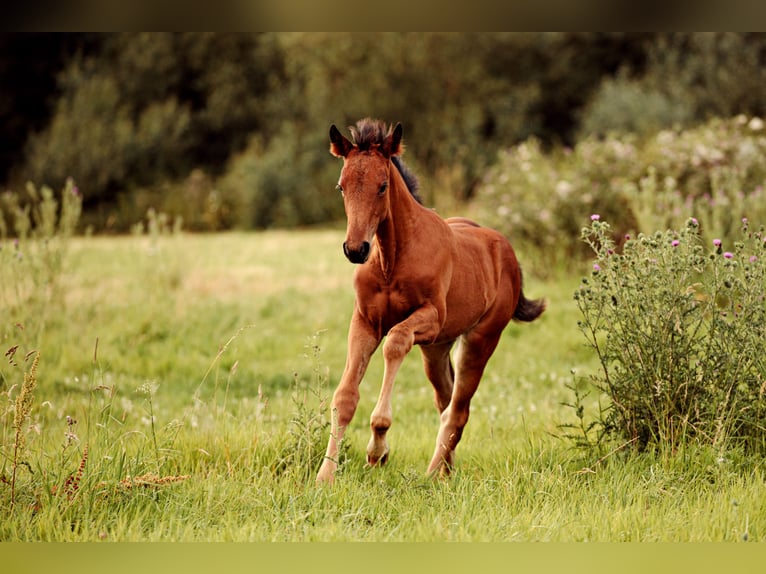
x: 379, y: 461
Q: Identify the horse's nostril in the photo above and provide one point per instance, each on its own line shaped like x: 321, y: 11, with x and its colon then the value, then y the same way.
x: 357, y: 255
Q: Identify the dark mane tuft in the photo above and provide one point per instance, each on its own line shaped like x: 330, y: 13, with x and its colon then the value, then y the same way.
x: 368, y: 133
x: 408, y: 177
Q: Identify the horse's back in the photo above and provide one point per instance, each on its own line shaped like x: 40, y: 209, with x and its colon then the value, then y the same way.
x: 485, y: 276
x: 484, y: 244
x: 455, y: 222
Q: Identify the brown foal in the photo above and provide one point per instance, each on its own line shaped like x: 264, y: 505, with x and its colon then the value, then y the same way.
x: 421, y: 280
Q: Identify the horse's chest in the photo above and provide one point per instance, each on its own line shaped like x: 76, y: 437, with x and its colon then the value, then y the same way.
x: 384, y: 307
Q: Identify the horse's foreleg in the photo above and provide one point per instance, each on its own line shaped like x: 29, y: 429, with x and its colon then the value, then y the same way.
x: 422, y: 326
x: 362, y: 343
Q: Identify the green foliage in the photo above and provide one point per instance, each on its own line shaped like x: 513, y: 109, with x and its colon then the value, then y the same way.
x: 677, y: 326
x: 683, y: 79
x: 537, y: 199
x: 716, y: 73
x: 147, y: 109
x: 196, y: 201
x: 282, y: 185
x: 94, y: 137
x: 714, y: 172
x: 623, y: 105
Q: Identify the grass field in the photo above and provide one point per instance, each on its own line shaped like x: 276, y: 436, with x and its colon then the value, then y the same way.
x: 181, y: 395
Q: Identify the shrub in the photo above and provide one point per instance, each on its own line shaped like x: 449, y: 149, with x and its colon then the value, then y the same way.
x: 280, y: 184
x: 624, y: 105
x: 537, y: 199
x: 714, y: 172
x: 677, y: 326
x: 195, y: 200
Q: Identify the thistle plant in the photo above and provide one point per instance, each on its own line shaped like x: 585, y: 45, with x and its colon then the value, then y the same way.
x: 677, y: 325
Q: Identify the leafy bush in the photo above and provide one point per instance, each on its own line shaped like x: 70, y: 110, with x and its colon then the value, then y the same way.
x: 196, y: 201
x: 537, y: 199
x: 279, y: 185
x: 677, y: 324
x: 624, y: 105
x: 94, y: 138
x: 715, y: 172
x: 716, y: 73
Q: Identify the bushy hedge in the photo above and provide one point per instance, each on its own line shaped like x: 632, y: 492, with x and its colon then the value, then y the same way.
x: 714, y: 172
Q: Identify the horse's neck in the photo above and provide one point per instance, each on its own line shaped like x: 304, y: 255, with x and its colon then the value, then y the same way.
x: 396, y: 230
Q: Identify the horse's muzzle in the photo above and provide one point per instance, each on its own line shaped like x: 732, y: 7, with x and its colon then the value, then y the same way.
x: 357, y: 255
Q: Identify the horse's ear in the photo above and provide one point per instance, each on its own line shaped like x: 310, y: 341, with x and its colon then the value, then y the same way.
x: 339, y: 145
x: 393, y: 144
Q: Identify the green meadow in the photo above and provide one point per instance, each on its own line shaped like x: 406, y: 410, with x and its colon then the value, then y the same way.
x: 177, y: 389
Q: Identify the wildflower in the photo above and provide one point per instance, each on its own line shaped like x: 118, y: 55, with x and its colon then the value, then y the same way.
x: 717, y: 242
x: 595, y: 217
x: 596, y: 268
x: 753, y: 259
x: 675, y: 243
x: 693, y: 222
x: 728, y: 255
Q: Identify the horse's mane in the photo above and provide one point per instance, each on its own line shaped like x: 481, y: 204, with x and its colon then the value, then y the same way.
x: 368, y: 133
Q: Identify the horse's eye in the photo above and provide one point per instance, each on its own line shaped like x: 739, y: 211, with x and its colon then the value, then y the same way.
x: 383, y: 188
x: 339, y: 188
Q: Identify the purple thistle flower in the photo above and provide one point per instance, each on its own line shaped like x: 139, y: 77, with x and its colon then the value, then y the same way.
x: 596, y: 267
x: 753, y: 259
x: 595, y: 217
x: 728, y: 255
x: 675, y: 243
x: 717, y: 242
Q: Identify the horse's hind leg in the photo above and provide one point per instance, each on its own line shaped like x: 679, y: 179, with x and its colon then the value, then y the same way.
x: 474, y: 350
x: 439, y: 370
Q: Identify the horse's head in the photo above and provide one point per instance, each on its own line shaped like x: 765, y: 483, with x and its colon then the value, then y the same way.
x: 364, y: 181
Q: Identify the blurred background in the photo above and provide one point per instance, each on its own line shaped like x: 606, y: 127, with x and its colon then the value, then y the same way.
x: 532, y: 131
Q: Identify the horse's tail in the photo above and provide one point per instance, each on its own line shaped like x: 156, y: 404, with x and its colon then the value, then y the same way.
x: 529, y: 309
